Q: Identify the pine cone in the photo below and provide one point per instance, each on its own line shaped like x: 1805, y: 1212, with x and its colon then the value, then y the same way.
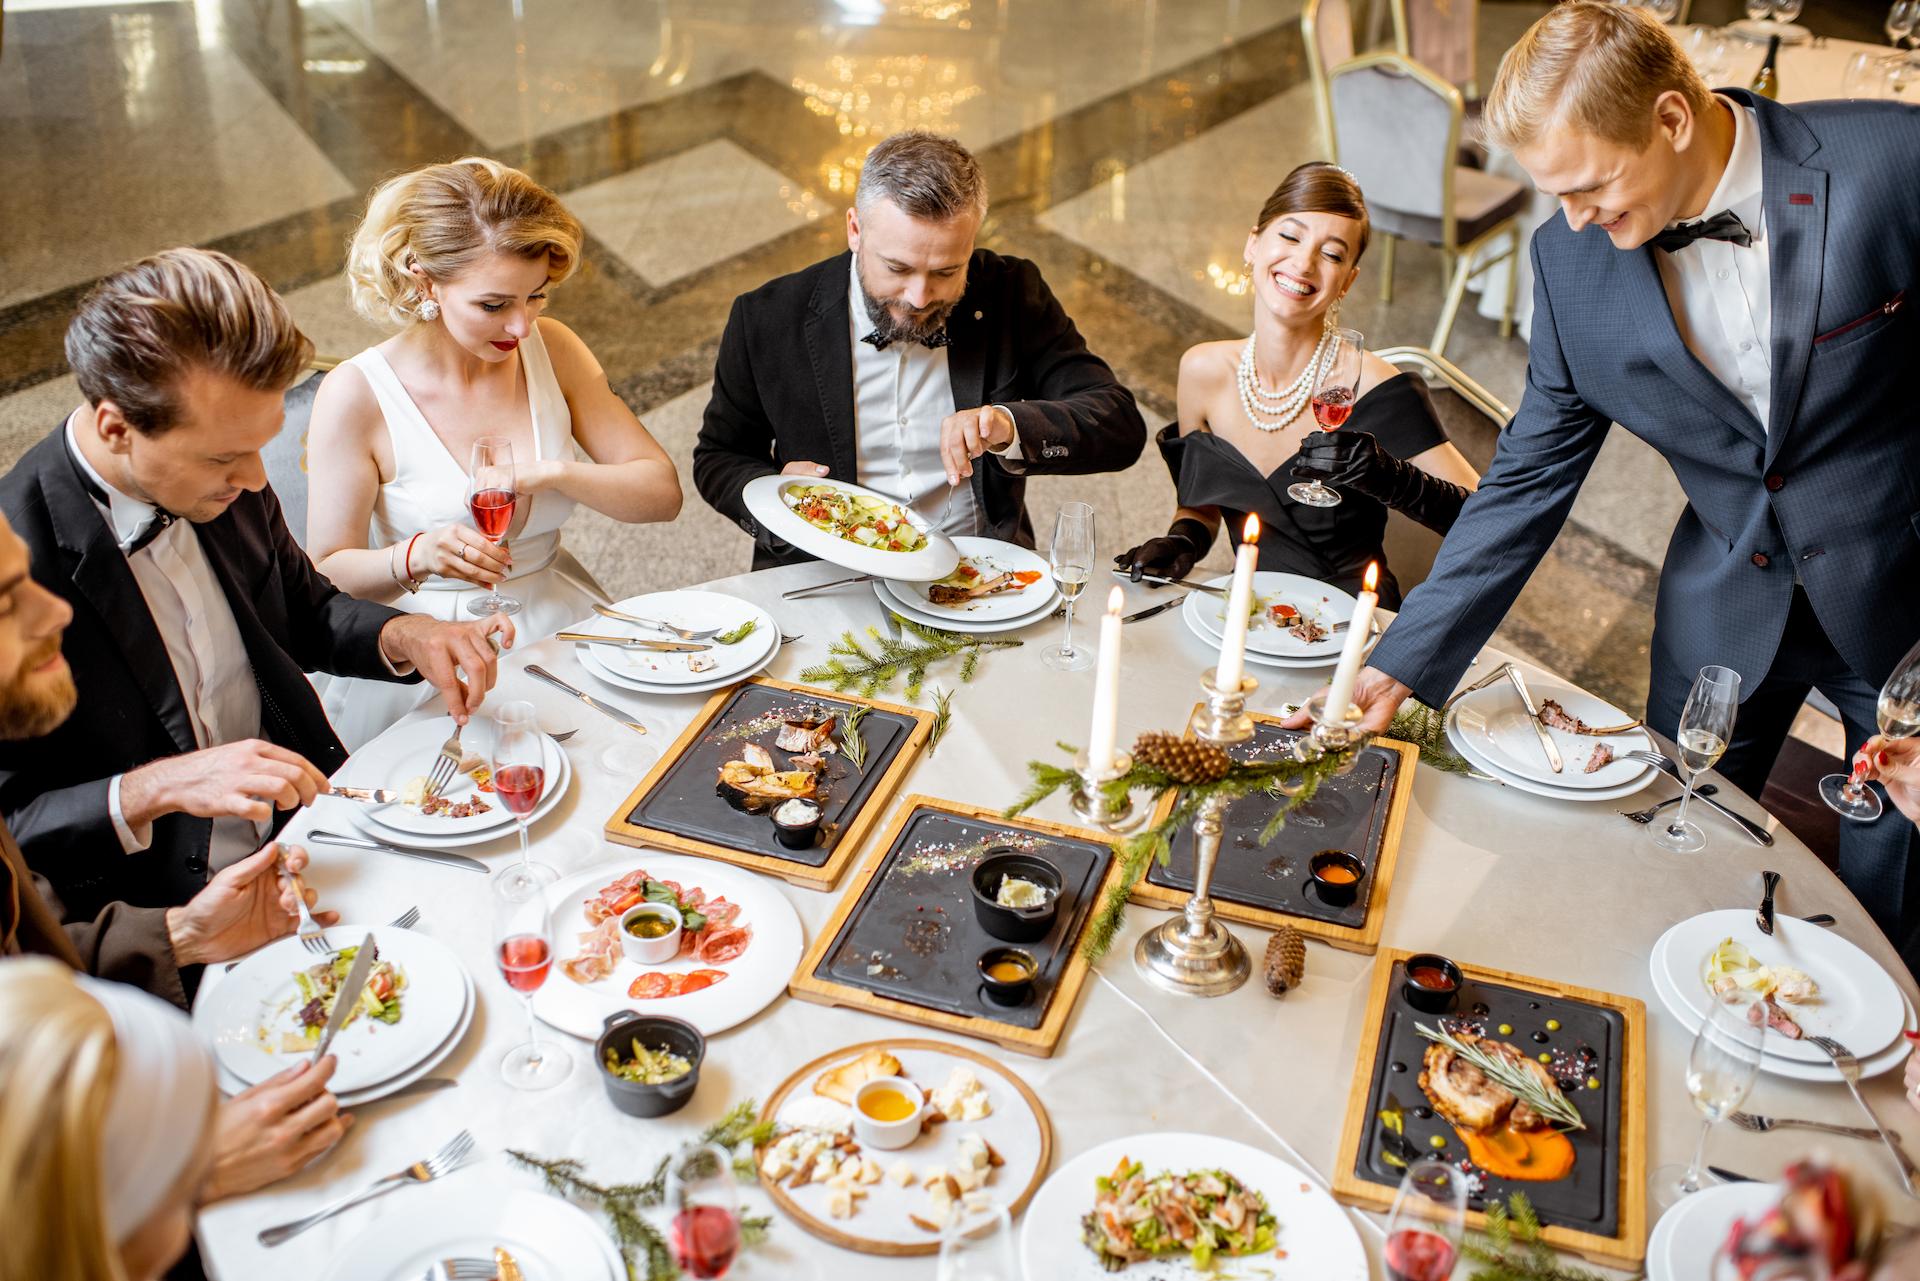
x: 1286, y: 961
x: 1185, y: 760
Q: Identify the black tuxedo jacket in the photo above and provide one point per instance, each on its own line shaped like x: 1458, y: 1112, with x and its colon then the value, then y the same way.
x: 783, y: 391
x: 53, y: 790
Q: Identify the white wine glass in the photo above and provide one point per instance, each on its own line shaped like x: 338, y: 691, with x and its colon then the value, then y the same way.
x: 1071, y: 559
x: 1900, y: 21
x: 1426, y: 1223
x: 1720, y: 1074
x: 1336, y: 386
x: 1787, y: 10
x: 978, y: 1246
x: 1665, y: 10
x: 1898, y: 715
x: 490, y: 501
x: 1706, y: 727
x: 1758, y: 10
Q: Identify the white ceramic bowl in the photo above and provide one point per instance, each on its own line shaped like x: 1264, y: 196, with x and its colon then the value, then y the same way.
x: 651, y: 951
x: 888, y: 1136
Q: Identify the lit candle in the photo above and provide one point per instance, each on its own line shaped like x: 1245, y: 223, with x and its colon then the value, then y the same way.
x: 1340, y: 693
x: 1106, y: 689
x: 1233, y: 645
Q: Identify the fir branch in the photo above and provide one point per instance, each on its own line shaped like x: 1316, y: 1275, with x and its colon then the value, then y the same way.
x: 1426, y: 728
x: 1511, y: 1249
x: 874, y: 664
x: 852, y: 745
x: 942, y: 718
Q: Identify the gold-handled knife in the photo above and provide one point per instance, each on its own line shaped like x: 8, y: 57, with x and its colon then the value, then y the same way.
x: 634, y: 642
x: 1533, y: 719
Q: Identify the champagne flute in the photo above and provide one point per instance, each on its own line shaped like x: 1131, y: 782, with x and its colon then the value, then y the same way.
x: 1759, y: 10
x: 1425, y: 1225
x: 519, y: 765
x: 1898, y: 714
x: 1900, y: 21
x: 523, y: 947
x: 1706, y: 727
x: 1335, y: 388
x: 1787, y: 10
x: 704, y: 1195
x: 490, y: 500
x: 1720, y: 1073
x: 1071, y: 558
x: 978, y: 1246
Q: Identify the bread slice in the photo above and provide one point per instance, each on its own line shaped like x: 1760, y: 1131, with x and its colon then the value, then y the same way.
x: 843, y: 1082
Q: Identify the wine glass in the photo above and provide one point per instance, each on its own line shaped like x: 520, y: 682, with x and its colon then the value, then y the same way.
x: 1071, y: 558
x: 1706, y: 727
x: 523, y: 947
x: 978, y: 1246
x: 1428, y: 1217
x: 490, y: 500
x: 1786, y: 10
x: 703, y: 1194
x: 1864, y: 77
x: 1707, y: 46
x: 1665, y: 10
x: 1900, y: 21
x: 1720, y: 1073
x: 1334, y: 387
x: 519, y: 765
x: 1898, y: 713
x: 1758, y: 10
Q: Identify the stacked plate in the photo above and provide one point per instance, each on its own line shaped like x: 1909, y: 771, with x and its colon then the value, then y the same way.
x: 1269, y: 644
x: 247, y: 1015
x: 468, y: 1217
x: 655, y: 673
x: 1001, y: 612
x: 407, y: 752
x: 1491, y: 729
x: 1688, y: 1237
x: 1858, y: 1005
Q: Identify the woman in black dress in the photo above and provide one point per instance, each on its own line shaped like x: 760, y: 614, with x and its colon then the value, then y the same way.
x: 1245, y: 430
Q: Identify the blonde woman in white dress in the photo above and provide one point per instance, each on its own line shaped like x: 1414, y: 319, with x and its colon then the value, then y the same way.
x: 460, y: 258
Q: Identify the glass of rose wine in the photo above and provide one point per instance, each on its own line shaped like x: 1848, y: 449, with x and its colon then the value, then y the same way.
x: 1898, y: 715
x: 703, y: 1194
x: 519, y: 765
x: 490, y: 500
x: 1335, y: 387
x: 523, y: 947
x: 1423, y: 1229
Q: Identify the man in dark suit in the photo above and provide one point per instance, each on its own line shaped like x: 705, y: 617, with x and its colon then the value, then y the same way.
x: 1746, y: 307
x: 902, y: 363
x: 196, y: 616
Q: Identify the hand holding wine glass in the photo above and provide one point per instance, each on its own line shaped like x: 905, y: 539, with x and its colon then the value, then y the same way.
x: 1898, y: 715
x: 1706, y: 727
x: 1425, y: 1225
x: 523, y: 947
x: 1336, y: 386
x: 490, y: 500
x: 1721, y: 1069
x: 1071, y: 559
x: 703, y: 1196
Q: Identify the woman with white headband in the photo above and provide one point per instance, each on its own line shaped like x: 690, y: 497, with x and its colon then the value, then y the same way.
x: 106, y: 1127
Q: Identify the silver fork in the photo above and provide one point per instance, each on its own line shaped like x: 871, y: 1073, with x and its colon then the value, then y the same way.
x: 312, y: 937
x: 1664, y: 763
x: 1766, y: 1124
x: 405, y: 921
x: 461, y: 1270
x: 445, y: 1161
x: 1646, y: 815
x: 1849, y: 1069
x: 684, y: 633
x: 446, y: 764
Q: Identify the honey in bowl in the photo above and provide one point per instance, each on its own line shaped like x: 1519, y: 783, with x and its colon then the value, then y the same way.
x: 887, y: 1104
x: 1007, y: 970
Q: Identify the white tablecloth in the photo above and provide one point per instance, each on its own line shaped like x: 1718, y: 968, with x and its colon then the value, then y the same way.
x: 1486, y: 874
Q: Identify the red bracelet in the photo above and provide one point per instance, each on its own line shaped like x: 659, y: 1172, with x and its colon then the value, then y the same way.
x: 406, y: 562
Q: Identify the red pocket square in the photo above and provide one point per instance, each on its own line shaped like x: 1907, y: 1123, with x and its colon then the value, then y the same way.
x: 1800, y: 198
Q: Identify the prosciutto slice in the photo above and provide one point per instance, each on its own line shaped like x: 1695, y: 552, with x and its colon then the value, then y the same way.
x: 599, y: 953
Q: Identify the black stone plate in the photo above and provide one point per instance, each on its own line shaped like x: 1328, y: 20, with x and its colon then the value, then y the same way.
x: 686, y: 802
x: 915, y: 918
x: 1587, y: 1200
x: 1347, y: 813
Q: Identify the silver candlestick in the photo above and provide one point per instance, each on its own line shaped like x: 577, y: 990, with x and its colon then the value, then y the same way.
x: 1194, y: 954
x: 1330, y: 733
x: 1091, y: 803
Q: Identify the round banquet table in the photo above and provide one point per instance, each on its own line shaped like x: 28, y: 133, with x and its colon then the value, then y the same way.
x: 1487, y: 875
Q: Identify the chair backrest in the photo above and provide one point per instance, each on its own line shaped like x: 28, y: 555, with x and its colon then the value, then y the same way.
x: 1473, y: 418
x: 286, y: 455
x: 1397, y: 127
x: 1326, y: 27
x: 1440, y: 34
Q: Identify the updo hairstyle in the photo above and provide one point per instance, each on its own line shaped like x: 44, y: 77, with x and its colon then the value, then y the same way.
x: 1319, y: 187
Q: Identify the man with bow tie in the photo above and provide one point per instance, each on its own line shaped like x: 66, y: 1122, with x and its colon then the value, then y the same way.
x: 915, y: 364
x: 1734, y: 282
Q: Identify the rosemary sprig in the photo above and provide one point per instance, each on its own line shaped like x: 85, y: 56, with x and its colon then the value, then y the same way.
x: 1520, y: 1083
x: 852, y: 745
x: 738, y: 634
x: 942, y: 718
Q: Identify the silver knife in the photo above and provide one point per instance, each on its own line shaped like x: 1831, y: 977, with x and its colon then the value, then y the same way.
x: 348, y: 997
x: 1770, y: 881
x: 1533, y: 719
x: 605, y: 709
x: 1151, y: 610
x: 323, y: 837
x: 371, y: 795
x: 634, y: 642
x: 1158, y: 581
x: 798, y: 592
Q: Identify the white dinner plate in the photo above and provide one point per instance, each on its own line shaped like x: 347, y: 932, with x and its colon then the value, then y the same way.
x: 1495, y: 721
x: 1318, y: 1236
x: 1687, y: 1237
x: 694, y: 610
x: 595, y: 660
x: 553, y: 788
x: 764, y: 497
x: 755, y: 979
x: 890, y: 598
x: 466, y: 1215
x: 1201, y: 613
x: 1472, y: 756
x: 1858, y: 1004
x: 991, y: 556
x: 409, y: 751
x: 260, y: 993
x: 1761, y: 30
x: 1310, y: 596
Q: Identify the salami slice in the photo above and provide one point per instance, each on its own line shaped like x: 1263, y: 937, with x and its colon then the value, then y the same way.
x: 718, y: 946
x: 652, y: 986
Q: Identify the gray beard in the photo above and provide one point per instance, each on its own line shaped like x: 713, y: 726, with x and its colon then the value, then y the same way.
x: 893, y: 331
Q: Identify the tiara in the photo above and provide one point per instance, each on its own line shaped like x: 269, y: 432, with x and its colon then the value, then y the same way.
x: 1337, y: 168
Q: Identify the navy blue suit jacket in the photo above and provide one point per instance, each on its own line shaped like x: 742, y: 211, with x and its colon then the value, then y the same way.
x: 1831, y: 493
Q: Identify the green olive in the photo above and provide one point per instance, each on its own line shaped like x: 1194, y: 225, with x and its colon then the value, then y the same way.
x: 1506, y: 1029
x: 1438, y: 1141
x: 1553, y: 1025
x: 1546, y: 1058
x: 1593, y: 1083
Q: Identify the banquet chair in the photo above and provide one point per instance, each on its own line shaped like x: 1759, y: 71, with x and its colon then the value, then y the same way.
x: 1326, y: 28
x: 1441, y: 35
x: 285, y: 456
x: 1472, y: 417
x: 1397, y: 130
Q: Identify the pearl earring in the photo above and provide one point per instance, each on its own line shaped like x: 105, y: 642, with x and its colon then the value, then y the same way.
x: 429, y: 310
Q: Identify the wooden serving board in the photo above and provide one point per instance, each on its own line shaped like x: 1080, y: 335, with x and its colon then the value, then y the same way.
x: 1599, y: 1209
x: 675, y: 807
x: 823, y: 977
x: 899, y: 1238
x: 1268, y: 885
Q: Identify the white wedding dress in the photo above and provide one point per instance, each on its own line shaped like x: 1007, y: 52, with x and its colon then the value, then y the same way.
x: 428, y: 490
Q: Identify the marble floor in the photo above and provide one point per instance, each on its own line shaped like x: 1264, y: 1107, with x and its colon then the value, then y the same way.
x: 708, y: 145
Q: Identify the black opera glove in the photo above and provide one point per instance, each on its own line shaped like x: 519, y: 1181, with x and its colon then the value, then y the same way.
x: 1169, y: 556
x: 1354, y: 460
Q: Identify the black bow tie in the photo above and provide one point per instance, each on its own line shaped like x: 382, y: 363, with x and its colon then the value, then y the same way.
x: 934, y: 340
x: 1725, y: 225
x: 148, y: 532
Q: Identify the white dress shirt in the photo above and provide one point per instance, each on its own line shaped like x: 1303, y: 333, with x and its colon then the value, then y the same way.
x: 1721, y: 294
x: 209, y: 659
x: 900, y: 398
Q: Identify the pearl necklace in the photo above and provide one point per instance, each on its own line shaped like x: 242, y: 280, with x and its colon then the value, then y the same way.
x: 1287, y: 403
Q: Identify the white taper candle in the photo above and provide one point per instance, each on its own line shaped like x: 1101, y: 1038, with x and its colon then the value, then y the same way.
x: 1233, y: 643
x: 1104, y: 731
x: 1340, y: 693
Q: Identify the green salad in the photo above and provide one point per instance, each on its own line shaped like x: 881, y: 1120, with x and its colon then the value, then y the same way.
x: 1203, y: 1214
x: 320, y: 989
